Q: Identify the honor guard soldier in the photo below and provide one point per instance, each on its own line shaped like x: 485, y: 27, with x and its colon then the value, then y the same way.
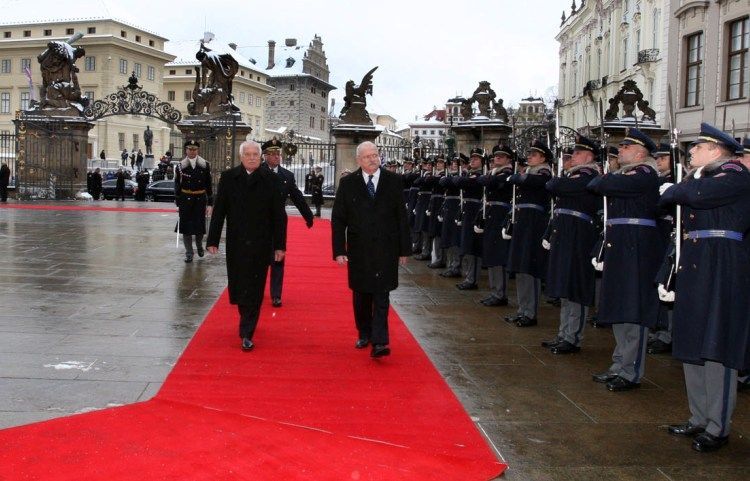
x: 497, y: 205
x: 193, y: 196
x: 424, y: 184
x: 470, y: 241
x: 450, y: 232
x: 660, y: 338
x: 391, y: 166
x: 289, y: 190
x: 570, y: 275
x: 711, y: 304
x: 632, y: 254
x: 316, y: 189
x: 527, y: 258
x: 407, y: 166
x: 434, y: 224
x: 744, y: 156
x: 409, y: 180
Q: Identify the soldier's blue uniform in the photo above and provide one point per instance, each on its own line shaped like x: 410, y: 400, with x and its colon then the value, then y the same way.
x: 424, y: 185
x: 471, y: 242
x: 527, y: 258
x: 570, y: 274
x: 711, y: 321
x: 434, y: 224
x: 633, y: 252
x: 450, y: 233
x: 193, y: 193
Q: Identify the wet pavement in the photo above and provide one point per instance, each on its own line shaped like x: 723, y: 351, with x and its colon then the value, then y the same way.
x: 95, y: 308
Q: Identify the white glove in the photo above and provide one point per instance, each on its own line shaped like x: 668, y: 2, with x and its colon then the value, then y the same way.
x: 478, y: 230
x: 663, y: 187
x: 505, y: 235
x: 427, y: 213
x: 664, y: 294
x: 414, y: 211
x: 440, y: 218
x: 546, y: 244
x: 598, y: 266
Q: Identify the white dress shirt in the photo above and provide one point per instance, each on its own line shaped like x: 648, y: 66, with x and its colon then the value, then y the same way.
x: 375, y: 178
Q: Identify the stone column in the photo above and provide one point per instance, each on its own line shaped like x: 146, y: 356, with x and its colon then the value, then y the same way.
x: 480, y: 133
x: 348, y: 137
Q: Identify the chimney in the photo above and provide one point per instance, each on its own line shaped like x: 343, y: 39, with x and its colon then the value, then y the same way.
x: 233, y: 46
x: 271, y: 54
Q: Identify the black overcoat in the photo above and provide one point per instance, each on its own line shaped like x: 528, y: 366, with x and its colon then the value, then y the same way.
x: 193, y: 192
x: 712, y: 306
x: 256, y: 226
x: 632, y: 253
x: 570, y: 274
x: 499, y: 194
x: 372, y: 233
x: 437, y: 197
x: 289, y: 190
x: 470, y: 241
x: 450, y: 233
x: 422, y: 206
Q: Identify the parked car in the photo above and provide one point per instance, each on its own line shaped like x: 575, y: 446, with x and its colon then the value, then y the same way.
x: 108, y: 188
x: 160, y: 190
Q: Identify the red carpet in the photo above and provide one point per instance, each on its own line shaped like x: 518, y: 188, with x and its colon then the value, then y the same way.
x: 304, y: 405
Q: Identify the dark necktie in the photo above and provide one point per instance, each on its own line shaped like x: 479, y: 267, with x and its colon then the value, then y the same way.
x: 371, y: 187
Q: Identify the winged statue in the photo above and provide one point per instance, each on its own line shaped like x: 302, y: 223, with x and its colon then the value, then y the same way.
x: 354, y: 111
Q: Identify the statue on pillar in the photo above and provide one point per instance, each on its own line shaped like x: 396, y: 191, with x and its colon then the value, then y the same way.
x: 354, y: 111
x: 213, y: 83
x: 484, y: 96
x: 60, y: 90
x: 148, y: 139
x: 500, y: 112
x: 630, y: 96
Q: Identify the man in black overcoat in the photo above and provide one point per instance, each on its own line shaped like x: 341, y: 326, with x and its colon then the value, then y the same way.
x: 371, y: 234
x: 249, y: 198
x: 289, y: 190
x: 120, y: 185
x: 96, y: 184
x: 194, y: 197
x: 4, y: 181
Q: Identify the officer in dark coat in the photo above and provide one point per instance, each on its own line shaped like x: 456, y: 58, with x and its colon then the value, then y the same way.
x: 249, y: 198
x: 120, y: 185
x: 632, y: 254
x: 4, y: 181
x: 371, y: 234
x: 194, y: 196
x: 711, y: 305
x: 424, y: 184
x: 434, y: 224
x: 471, y: 242
x: 407, y: 177
x: 570, y: 275
x: 142, y: 179
x: 527, y: 258
x: 289, y: 190
x: 96, y: 184
x: 499, y: 193
x: 449, y: 230
x: 316, y: 189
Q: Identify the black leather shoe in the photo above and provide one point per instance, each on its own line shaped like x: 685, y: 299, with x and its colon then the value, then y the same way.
x: 621, y: 384
x: 565, y: 348
x: 380, y: 350
x: 513, y: 318
x: 361, y: 343
x: 525, y: 321
x: 466, y: 286
x: 276, y: 302
x: 604, y: 377
x: 247, y: 344
x: 685, y: 429
x: 201, y: 253
x: 555, y: 301
x: 422, y: 257
x: 451, y: 273
x: 495, y: 302
x: 659, y: 347
x: 705, y: 442
x: 436, y: 265
x: 188, y: 258
x: 552, y: 342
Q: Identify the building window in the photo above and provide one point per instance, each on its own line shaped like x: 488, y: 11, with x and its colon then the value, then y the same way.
x: 312, y: 122
x: 189, y: 72
x: 5, y: 66
x: 291, y: 86
x: 123, y: 34
x: 312, y: 89
x: 121, y: 140
x: 258, y: 102
x: 291, y: 103
x: 123, y: 66
x: 173, y: 72
x: 24, y: 100
x: 738, y: 78
x: 135, y: 141
x: 5, y: 103
x: 250, y: 99
x: 637, y: 41
x: 322, y: 124
x: 242, y: 97
x: 6, y: 34
x: 68, y: 31
x: 655, y: 39
x: 624, y: 53
x: 187, y: 95
x: 89, y: 63
x: 273, y: 103
x: 90, y: 95
x: 322, y: 109
x: 151, y: 72
x: 25, y: 64
x: 150, y: 43
x: 257, y: 121
x: 694, y: 69
x: 171, y: 96
x: 312, y: 106
x: 138, y: 38
x: 27, y: 33
x: 48, y: 33
x: 137, y: 69
x: 323, y: 94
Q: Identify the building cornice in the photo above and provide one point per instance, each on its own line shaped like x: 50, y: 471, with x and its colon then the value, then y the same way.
x: 689, y: 6
x: 82, y: 20
x: 86, y: 41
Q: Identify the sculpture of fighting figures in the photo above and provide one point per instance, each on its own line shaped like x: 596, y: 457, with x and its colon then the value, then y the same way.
x: 484, y: 95
x: 500, y: 112
x: 60, y: 92
x: 467, y: 112
x: 630, y: 96
x: 354, y: 111
x: 212, y: 92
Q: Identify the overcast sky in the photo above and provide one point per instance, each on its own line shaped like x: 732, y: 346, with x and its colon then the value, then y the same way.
x: 426, y: 52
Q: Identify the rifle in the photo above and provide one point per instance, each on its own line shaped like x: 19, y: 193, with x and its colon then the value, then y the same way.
x: 598, y: 261
x: 507, y: 231
x: 479, y: 223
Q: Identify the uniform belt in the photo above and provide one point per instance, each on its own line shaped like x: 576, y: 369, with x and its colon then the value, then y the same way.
x: 497, y: 202
x: 718, y: 233
x: 574, y: 213
x: 425, y: 192
x: 667, y: 218
x: 437, y: 195
x: 452, y: 197
x: 531, y: 206
x: 193, y: 192
x: 631, y: 221
x: 472, y: 200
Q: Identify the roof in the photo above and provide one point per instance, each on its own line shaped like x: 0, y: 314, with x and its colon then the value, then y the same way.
x: 21, y: 18
x: 438, y: 114
x: 185, y: 50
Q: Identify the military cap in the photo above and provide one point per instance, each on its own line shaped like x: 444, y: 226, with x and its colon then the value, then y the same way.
x: 746, y: 146
x: 440, y: 158
x: 585, y: 143
x: 426, y: 160
x: 464, y: 158
x: 636, y: 137
x: 662, y: 149
x: 192, y: 143
x: 478, y: 151
x: 391, y: 163
x: 567, y: 152
x: 612, y: 151
x: 711, y: 134
x: 270, y: 145
x: 539, y: 146
x: 408, y: 159
x: 502, y: 150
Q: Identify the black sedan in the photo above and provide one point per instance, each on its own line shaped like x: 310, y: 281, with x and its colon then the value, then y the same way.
x: 108, y: 188
x: 160, y: 190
